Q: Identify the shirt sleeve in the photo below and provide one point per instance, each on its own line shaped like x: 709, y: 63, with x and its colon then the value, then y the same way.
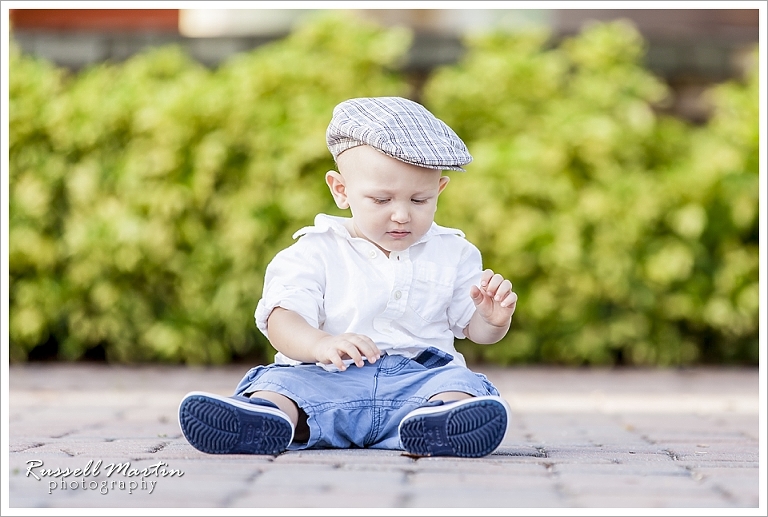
x: 294, y: 280
x: 468, y: 273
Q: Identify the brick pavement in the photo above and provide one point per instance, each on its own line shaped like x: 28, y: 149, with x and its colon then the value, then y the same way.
x: 622, y: 439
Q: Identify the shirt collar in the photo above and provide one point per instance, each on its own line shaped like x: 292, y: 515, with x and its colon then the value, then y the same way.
x: 330, y: 223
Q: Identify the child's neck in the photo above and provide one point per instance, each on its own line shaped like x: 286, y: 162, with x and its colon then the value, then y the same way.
x: 355, y: 233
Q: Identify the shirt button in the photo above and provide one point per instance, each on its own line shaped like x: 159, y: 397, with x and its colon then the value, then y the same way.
x: 372, y: 253
x: 398, y: 294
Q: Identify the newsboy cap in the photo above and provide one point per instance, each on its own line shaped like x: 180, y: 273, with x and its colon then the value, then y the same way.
x: 398, y: 127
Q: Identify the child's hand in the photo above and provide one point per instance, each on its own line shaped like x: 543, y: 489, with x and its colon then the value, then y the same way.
x: 495, y: 300
x: 334, y: 349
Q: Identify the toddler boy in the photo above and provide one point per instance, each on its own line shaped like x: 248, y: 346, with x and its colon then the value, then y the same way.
x: 363, y: 310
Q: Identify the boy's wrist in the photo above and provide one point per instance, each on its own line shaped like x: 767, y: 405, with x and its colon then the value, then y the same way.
x: 504, y: 325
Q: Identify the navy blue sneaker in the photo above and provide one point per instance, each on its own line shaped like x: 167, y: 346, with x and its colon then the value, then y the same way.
x: 468, y: 428
x: 234, y: 425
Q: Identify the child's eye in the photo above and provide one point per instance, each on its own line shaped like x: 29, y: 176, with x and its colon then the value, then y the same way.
x: 380, y: 200
x: 419, y: 201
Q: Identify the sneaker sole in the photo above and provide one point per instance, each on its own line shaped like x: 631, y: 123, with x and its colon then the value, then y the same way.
x: 471, y: 428
x: 221, y: 425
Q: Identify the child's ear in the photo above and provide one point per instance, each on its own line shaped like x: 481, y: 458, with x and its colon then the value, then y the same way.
x: 338, y: 188
x: 443, y: 182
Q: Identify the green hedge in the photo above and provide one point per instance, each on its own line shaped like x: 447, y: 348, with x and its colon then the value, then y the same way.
x: 147, y: 197
x: 632, y: 238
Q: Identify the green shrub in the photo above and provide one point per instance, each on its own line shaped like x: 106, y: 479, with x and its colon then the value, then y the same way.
x: 147, y: 197
x: 631, y: 237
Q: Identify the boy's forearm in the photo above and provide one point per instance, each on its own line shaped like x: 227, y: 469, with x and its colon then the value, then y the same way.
x: 483, y: 333
x: 291, y: 335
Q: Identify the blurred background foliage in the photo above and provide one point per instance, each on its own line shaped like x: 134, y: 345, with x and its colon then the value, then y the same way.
x: 147, y: 197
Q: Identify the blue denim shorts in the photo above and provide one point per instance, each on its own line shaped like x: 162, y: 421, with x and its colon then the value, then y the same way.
x: 363, y: 407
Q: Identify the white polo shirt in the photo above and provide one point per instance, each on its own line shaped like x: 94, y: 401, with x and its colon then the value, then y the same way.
x: 406, y: 302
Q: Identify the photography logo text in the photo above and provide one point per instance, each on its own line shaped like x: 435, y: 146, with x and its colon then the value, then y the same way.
x: 120, y: 476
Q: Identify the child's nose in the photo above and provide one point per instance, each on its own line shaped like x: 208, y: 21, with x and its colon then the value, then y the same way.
x: 401, y: 214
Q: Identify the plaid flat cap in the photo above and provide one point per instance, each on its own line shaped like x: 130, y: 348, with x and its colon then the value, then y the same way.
x: 398, y: 127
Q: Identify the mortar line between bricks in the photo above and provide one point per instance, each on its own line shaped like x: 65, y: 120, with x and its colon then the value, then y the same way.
x: 230, y: 498
x: 31, y: 447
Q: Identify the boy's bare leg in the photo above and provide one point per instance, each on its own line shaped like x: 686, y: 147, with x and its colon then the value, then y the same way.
x: 447, y: 396
x: 298, y: 417
x: 285, y: 404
